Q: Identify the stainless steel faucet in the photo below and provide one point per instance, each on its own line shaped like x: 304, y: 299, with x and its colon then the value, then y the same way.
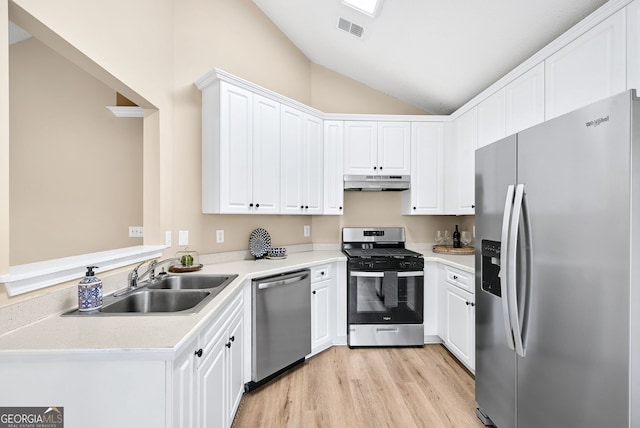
x: 133, y: 278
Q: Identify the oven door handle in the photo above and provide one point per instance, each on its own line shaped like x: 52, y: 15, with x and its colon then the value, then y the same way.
x: 381, y: 274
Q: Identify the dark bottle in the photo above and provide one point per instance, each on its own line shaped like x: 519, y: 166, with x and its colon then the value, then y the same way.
x: 456, y: 238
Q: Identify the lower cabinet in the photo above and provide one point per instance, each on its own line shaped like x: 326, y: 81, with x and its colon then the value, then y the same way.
x: 323, y: 315
x: 207, y: 377
x: 457, y: 314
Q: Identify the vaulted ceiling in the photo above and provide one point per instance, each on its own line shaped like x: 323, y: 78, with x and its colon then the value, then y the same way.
x: 435, y: 55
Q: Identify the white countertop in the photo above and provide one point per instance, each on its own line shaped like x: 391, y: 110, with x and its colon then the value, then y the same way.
x: 160, y: 336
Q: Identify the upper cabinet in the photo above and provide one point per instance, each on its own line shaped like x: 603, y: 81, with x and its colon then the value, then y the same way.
x: 590, y: 68
x: 524, y: 101
x: 373, y: 148
x: 460, y: 164
x: 633, y: 45
x: 333, y: 167
x: 427, y: 165
x: 301, y: 162
x: 238, y: 129
x: 491, y: 119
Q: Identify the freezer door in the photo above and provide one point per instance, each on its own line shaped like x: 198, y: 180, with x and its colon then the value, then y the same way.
x: 495, y: 362
x: 575, y: 170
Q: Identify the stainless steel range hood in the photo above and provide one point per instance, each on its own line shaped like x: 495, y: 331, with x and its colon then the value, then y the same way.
x: 376, y: 183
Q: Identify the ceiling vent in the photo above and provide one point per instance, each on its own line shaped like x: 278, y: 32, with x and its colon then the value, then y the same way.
x: 350, y: 27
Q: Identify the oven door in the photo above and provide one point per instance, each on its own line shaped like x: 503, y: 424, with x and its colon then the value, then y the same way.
x: 385, y: 297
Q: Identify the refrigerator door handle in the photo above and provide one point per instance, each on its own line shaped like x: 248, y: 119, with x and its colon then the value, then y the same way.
x: 504, y: 271
x: 511, y: 272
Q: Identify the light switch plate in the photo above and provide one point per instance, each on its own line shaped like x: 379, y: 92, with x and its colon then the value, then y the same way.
x: 307, y: 230
x: 183, y: 237
x: 167, y: 238
x: 219, y: 236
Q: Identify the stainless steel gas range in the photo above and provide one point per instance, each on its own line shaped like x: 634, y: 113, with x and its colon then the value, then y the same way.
x: 385, y: 288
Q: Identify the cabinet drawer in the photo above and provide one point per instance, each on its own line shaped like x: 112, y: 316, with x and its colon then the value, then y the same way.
x: 459, y: 278
x: 320, y: 273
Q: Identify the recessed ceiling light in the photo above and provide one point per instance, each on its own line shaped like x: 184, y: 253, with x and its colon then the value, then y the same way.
x: 368, y: 7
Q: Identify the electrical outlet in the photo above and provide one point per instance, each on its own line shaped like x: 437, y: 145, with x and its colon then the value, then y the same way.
x: 307, y: 230
x: 219, y: 236
x: 183, y: 237
x: 167, y: 238
x: 135, y: 231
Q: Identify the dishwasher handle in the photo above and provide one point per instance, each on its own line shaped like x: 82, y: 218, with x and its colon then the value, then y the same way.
x: 277, y: 282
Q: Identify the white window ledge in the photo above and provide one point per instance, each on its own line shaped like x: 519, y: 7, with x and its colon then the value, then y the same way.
x: 33, y: 276
x: 126, y: 111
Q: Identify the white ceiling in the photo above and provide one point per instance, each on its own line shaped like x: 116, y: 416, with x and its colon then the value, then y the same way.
x: 435, y: 55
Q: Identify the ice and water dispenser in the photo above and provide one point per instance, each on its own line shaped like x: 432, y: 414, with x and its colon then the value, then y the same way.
x: 491, y: 267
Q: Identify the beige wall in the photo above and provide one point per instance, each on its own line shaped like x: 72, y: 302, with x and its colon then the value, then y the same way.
x: 334, y: 93
x: 4, y: 137
x: 76, y: 176
x: 181, y: 41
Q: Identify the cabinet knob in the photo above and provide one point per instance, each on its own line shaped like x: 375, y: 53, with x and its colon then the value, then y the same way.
x: 375, y: 167
x: 380, y: 168
x: 313, y: 292
x: 340, y: 208
x: 414, y: 208
x: 257, y: 205
x: 228, y: 344
x: 306, y: 207
x: 198, y: 353
x: 322, y: 273
x: 232, y: 338
x: 250, y: 205
x: 301, y: 207
x: 473, y: 304
x: 455, y: 276
x: 473, y: 206
x: 468, y: 303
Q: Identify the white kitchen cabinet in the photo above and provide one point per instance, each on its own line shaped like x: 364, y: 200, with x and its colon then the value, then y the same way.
x: 525, y: 101
x: 460, y: 164
x: 373, y: 148
x: 460, y: 322
x: 208, y: 376
x: 301, y: 162
x: 456, y: 313
x: 426, y: 195
x: 323, y: 315
x: 491, y: 119
x: 633, y: 45
x: 590, y: 68
x: 240, y: 151
x: 333, y: 167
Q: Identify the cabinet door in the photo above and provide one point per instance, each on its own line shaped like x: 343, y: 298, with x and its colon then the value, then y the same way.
x: 236, y: 157
x: 466, y: 142
x: 320, y: 330
x: 590, y: 68
x: 213, y: 394
x: 525, y: 100
x: 394, y: 148
x: 312, y: 165
x: 491, y: 119
x: 333, y: 167
x: 461, y: 324
x: 292, y: 134
x: 360, y: 147
x: 235, y: 360
x: 184, y: 391
x: 426, y: 195
x: 266, y: 156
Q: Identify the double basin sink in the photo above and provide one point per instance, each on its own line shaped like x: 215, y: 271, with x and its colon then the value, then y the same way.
x: 167, y: 294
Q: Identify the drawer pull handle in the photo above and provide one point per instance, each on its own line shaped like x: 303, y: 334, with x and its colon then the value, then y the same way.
x: 455, y: 276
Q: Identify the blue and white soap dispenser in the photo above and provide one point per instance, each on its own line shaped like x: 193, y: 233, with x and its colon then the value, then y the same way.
x: 90, y: 291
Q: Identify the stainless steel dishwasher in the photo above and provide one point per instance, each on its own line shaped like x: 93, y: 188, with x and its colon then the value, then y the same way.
x: 281, y: 325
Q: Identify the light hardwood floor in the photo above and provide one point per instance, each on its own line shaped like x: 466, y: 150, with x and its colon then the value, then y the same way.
x: 366, y: 387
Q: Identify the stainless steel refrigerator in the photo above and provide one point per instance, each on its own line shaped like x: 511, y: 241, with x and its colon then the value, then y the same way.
x: 558, y: 271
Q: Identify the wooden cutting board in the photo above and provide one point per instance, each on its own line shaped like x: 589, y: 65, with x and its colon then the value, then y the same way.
x: 448, y: 249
